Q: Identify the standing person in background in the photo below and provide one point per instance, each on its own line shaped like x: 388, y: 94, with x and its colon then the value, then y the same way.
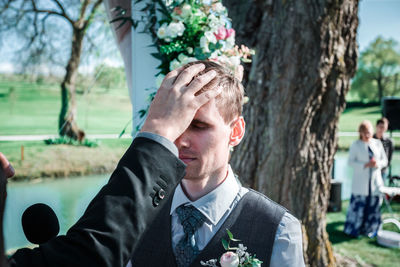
x: 381, y: 127
x: 367, y: 157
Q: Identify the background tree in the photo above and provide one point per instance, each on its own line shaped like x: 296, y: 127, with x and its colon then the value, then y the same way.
x: 378, y: 71
x: 48, y: 25
x: 306, y: 53
x: 110, y: 77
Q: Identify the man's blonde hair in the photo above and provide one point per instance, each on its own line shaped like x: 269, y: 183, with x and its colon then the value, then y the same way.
x: 230, y: 101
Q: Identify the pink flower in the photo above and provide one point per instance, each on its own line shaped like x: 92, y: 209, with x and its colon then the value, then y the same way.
x: 221, y: 33
x: 177, y: 10
x: 229, y: 259
x: 230, y: 32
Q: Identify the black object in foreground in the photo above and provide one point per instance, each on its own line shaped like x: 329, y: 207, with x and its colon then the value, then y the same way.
x: 40, y: 223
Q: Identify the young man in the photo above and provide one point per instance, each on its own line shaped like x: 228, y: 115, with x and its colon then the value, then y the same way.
x: 381, y: 127
x: 138, y: 189
x: 210, y: 199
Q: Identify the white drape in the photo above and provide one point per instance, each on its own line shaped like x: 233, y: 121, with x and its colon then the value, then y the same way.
x: 135, y: 48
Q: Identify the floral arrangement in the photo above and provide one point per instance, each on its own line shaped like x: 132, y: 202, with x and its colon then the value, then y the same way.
x: 234, y: 257
x: 184, y: 31
x: 191, y: 30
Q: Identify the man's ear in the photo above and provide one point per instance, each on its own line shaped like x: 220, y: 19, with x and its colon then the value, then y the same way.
x: 237, y: 131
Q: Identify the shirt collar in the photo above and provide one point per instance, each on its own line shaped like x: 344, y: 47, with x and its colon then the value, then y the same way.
x: 214, y: 204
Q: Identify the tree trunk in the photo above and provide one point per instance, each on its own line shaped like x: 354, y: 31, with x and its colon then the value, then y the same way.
x: 68, y: 114
x: 306, y: 53
x: 380, y: 87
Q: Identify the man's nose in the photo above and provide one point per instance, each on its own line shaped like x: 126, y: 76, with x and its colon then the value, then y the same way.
x: 182, y: 141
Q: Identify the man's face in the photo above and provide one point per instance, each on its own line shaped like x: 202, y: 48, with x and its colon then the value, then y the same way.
x: 204, y: 146
x: 381, y: 128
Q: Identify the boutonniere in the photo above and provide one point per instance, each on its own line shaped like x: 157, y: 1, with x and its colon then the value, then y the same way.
x: 234, y: 256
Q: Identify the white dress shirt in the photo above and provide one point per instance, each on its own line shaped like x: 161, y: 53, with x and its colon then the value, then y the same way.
x: 216, y: 207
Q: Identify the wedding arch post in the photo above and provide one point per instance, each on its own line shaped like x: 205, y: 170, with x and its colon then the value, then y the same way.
x: 136, y: 47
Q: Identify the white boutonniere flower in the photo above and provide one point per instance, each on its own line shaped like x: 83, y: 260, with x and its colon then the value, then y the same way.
x: 235, y: 256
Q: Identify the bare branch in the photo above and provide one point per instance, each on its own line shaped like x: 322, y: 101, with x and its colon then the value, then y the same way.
x: 83, y: 11
x: 51, y: 12
x: 61, y: 7
x: 92, y: 12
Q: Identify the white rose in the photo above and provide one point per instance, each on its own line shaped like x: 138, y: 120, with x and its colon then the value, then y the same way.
x: 214, y: 23
x: 230, y: 42
x: 174, y: 64
x: 210, y: 37
x: 229, y: 259
x: 188, y: 60
x: 182, y: 58
x: 186, y: 11
x: 219, y: 8
x: 204, y: 44
x: 162, y: 31
x: 159, y: 79
x: 175, y: 29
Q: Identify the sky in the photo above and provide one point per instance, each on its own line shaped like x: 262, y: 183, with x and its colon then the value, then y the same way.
x: 377, y: 17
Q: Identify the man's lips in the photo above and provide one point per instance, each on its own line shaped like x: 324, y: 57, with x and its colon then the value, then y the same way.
x: 186, y: 159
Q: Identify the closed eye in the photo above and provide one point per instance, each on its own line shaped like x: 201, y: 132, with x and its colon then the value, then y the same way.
x: 199, y: 125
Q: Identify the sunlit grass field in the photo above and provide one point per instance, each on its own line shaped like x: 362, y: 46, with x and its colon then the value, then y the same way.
x: 32, y: 108
x: 365, y: 250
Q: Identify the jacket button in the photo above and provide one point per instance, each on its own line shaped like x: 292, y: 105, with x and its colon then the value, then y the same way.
x: 161, y: 193
x: 156, y: 201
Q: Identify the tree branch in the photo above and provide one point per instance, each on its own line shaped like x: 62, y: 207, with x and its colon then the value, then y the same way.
x: 92, y: 12
x: 51, y: 12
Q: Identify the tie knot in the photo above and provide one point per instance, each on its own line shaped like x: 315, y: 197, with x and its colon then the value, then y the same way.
x: 190, y: 218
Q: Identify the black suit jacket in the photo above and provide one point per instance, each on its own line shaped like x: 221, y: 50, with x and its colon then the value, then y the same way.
x: 117, y: 217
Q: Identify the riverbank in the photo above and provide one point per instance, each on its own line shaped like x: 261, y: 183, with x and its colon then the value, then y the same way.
x: 35, y: 160
x: 41, y: 161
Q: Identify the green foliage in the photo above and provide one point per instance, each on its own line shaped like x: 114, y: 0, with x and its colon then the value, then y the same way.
x: 378, y: 71
x: 65, y: 140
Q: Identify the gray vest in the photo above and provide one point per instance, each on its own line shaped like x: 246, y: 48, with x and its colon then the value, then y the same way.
x: 254, y: 221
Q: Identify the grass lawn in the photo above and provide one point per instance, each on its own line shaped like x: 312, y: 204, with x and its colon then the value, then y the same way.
x: 31, y: 108
x: 365, y: 250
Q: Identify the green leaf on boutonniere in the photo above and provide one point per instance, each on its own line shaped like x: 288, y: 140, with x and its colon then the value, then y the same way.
x: 225, y: 244
x: 231, y: 236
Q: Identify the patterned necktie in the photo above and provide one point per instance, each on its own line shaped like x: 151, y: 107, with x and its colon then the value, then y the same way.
x: 191, y: 219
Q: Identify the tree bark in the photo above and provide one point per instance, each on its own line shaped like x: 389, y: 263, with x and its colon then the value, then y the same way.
x: 379, y: 82
x: 306, y: 53
x: 68, y: 114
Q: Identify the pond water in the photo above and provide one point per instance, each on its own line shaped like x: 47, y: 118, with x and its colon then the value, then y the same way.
x: 70, y: 197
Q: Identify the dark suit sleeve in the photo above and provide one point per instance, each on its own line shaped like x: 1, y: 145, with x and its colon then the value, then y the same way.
x: 116, y: 218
